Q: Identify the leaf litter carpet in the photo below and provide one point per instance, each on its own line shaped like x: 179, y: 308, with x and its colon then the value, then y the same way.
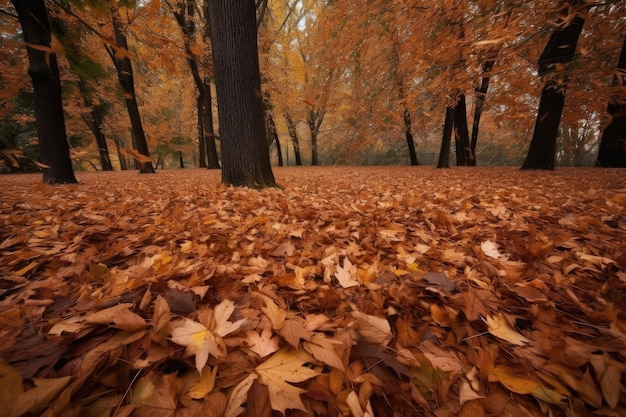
x: 391, y: 291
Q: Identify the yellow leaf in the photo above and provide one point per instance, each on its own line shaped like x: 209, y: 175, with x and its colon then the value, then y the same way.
x: 204, y: 385
x: 198, y: 340
x: 284, y: 366
x: 499, y: 327
x: 512, y: 380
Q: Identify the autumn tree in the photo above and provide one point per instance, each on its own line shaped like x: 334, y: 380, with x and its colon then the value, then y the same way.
x: 119, y: 53
x: 44, y: 73
x: 245, y: 152
x: 186, y: 13
x: 558, y: 52
x: 612, y: 151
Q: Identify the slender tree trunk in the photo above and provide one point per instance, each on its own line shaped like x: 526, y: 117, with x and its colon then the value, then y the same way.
x: 44, y: 72
x: 444, y: 153
x: 315, y: 119
x: 612, y: 149
x: 245, y: 154
x: 201, y: 138
x: 480, y: 94
x: 293, y: 134
x: 94, y: 121
x: 560, y: 49
x: 120, y: 155
x: 209, y: 130
x: 273, y: 136
x: 119, y: 55
x: 464, y: 155
x: 409, y: 137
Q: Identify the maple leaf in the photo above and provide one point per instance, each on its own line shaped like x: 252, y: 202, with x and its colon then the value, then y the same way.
x: 285, y: 366
x: 263, y: 344
x: 199, y: 341
x: 223, y: 311
x: 346, y: 274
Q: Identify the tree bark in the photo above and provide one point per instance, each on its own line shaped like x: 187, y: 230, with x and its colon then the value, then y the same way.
x: 560, y: 49
x: 464, y: 155
x: 444, y: 153
x: 480, y: 94
x: 612, y: 149
x: 314, y: 121
x: 119, y: 55
x: 44, y: 72
x: 273, y: 136
x: 245, y: 154
x: 209, y: 130
x: 293, y: 134
x: 201, y: 138
x: 94, y: 121
x: 409, y: 137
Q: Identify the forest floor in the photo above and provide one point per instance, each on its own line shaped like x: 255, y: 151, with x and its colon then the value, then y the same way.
x: 364, y: 291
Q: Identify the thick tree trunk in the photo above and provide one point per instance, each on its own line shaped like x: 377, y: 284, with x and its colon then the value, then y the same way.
x: 409, y: 137
x: 542, y: 151
x: 560, y: 49
x: 464, y: 155
x: 612, y: 149
x: 444, y: 153
x: 293, y: 134
x: 44, y: 72
x: 119, y: 55
x: 245, y: 154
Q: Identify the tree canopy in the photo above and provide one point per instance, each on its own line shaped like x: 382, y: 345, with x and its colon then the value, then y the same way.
x: 342, y: 77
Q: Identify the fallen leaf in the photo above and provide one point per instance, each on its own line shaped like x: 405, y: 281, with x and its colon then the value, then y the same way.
x: 223, y: 311
x: 205, y: 384
x: 38, y: 398
x: 286, y: 365
x: 499, y: 327
x: 118, y: 316
x: 198, y: 340
x: 262, y: 344
x: 372, y: 328
x: 347, y: 274
x: 324, y: 350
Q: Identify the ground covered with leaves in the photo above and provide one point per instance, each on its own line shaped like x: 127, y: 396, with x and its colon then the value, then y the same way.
x: 353, y: 291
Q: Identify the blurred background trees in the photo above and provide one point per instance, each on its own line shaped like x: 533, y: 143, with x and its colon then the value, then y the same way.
x: 344, y: 81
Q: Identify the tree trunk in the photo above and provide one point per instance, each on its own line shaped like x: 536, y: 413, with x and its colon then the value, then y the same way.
x: 409, y: 137
x: 480, y: 93
x: 560, y: 49
x: 94, y: 121
x: 119, y: 55
x: 201, y: 138
x: 314, y: 121
x: 245, y: 154
x: 612, y: 150
x: 273, y: 136
x: 464, y: 155
x: 120, y: 155
x: 293, y: 134
x: 44, y: 72
x: 444, y: 153
x: 209, y: 130
x: 542, y: 151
